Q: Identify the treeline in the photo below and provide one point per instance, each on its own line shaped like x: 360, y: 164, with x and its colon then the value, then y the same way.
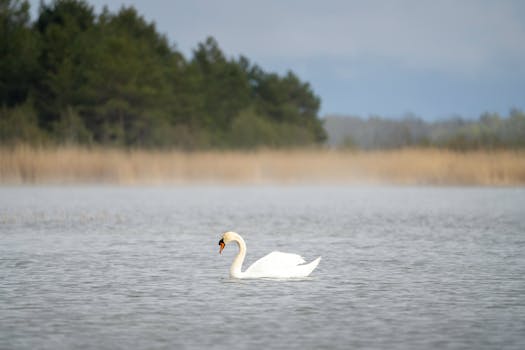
x: 489, y: 131
x: 76, y: 77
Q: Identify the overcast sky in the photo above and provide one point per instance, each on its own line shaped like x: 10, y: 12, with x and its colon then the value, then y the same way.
x: 386, y: 57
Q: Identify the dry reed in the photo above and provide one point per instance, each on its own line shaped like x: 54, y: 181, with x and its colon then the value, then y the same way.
x: 26, y: 165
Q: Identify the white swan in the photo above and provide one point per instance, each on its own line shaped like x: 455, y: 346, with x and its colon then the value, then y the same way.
x: 273, y: 265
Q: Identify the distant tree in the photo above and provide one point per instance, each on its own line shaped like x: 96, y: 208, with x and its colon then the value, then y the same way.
x: 514, y: 129
x: 490, y: 131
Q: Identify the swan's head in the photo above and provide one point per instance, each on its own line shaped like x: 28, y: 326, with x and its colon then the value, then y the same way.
x: 226, y: 237
x: 222, y: 244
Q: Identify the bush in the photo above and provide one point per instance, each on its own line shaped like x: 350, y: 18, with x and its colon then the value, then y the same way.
x: 250, y: 131
x: 20, y: 125
x: 70, y: 129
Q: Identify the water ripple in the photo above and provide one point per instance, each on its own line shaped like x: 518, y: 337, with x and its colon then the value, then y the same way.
x: 402, y: 268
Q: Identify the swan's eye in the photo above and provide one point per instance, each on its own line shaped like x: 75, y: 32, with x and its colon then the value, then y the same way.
x: 222, y: 244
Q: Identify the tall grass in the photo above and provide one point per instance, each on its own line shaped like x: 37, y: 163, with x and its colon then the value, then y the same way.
x: 27, y: 165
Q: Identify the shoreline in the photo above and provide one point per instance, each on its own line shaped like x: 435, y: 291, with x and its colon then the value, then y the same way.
x: 24, y: 165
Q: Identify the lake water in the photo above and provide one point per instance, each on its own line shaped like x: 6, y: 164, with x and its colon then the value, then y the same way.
x: 138, y: 268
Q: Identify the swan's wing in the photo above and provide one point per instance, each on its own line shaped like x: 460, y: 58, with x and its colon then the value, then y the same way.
x: 275, y: 261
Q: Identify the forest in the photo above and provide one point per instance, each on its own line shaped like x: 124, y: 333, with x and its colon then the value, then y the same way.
x: 490, y: 131
x: 74, y: 77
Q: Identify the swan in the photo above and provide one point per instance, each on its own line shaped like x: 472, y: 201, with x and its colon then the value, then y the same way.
x: 273, y: 265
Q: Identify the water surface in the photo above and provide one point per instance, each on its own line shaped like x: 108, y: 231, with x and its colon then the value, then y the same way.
x: 124, y: 268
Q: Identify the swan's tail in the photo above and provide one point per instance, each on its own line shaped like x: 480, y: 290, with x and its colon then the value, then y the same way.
x: 308, y: 268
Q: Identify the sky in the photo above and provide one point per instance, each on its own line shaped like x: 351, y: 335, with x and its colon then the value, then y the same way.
x: 434, y: 59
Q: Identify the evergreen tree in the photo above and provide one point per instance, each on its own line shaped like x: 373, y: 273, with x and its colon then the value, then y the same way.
x: 112, y: 79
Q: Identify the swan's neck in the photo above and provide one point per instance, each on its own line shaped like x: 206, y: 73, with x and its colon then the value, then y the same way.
x: 235, y: 269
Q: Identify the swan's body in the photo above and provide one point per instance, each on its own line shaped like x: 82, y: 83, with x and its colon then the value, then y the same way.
x: 273, y: 265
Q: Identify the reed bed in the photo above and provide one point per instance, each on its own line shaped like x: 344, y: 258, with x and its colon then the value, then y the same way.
x: 71, y: 165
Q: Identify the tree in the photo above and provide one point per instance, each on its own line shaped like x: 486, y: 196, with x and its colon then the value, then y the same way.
x: 288, y: 100
x: 221, y: 85
x: 112, y: 79
x: 64, y: 28
x: 124, y: 93
x: 18, y: 52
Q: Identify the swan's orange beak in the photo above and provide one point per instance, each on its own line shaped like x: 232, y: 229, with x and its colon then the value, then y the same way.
x: 221, y: 243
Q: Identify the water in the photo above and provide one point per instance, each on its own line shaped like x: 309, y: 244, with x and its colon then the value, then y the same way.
x: 125, y: 268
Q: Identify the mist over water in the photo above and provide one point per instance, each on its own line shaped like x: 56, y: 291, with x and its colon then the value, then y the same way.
x: 138, y: 267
